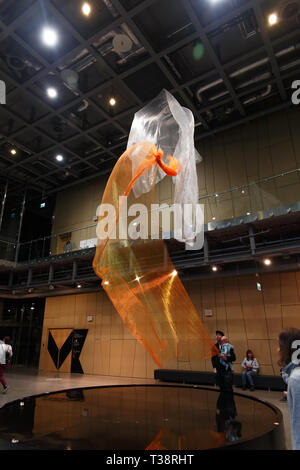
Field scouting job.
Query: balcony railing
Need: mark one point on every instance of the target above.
(238, 203)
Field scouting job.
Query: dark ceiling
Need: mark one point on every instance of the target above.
(220, 58)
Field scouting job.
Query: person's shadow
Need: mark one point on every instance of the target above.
(226, 417)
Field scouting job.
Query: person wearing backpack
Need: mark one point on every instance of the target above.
(224, 366)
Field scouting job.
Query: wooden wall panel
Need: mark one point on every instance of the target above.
(251, 319)
(289, 288)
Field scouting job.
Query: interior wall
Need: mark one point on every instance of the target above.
(253, 151)
(251, 319)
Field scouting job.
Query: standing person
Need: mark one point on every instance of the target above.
(284, 377)
(289, 359)
(215, 358)
(250, 366)
(225, 369)
(5, 356)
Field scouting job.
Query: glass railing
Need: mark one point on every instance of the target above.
(7, 251)
(249, 199)
(58, 244)
(252, 198)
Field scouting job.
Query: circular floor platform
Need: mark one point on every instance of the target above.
(141, 417)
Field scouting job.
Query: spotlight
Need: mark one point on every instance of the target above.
(137, 278)
(52, 93)
(273, 19)
(59, 158)
(13, 151)
(86, 9)
(213, 218)
(214, 268)
(106, 283)
(267, 261)
(79, 286)
(174, 273)
(112, 101)
(49, 37)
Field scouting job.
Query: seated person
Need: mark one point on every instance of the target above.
(250, 368)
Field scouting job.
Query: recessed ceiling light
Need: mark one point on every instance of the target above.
(59, 158)
(49, 36)
(86, 9)
(214, 268)
(267, 261)
(273, 19)
(52, 93)
(13, 151)
(112, 101)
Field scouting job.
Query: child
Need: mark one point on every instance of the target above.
(225, 351)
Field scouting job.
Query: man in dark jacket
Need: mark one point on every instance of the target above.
(224, 376)
(215, 359)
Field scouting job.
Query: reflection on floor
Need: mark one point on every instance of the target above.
(24, 383)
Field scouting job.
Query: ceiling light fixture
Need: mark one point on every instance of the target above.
(13, 151)
(112, 101)
(52, 93)
(267, 261)
(86, 9)
(49, 36)
(214, 268)
(272, 19)
(59, 158)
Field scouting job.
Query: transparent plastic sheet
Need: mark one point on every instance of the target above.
(169, 127)
(139, 276)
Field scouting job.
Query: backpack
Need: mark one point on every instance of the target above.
(232, 354)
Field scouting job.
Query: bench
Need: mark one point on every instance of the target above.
(263, 382)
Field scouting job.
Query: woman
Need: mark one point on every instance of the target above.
(5, 356)
(250, 368)
(289, 359)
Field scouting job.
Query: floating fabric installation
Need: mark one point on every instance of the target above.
(135, 267)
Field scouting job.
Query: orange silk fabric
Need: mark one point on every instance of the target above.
(139, 276)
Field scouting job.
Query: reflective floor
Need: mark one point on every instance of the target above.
(136, 417)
